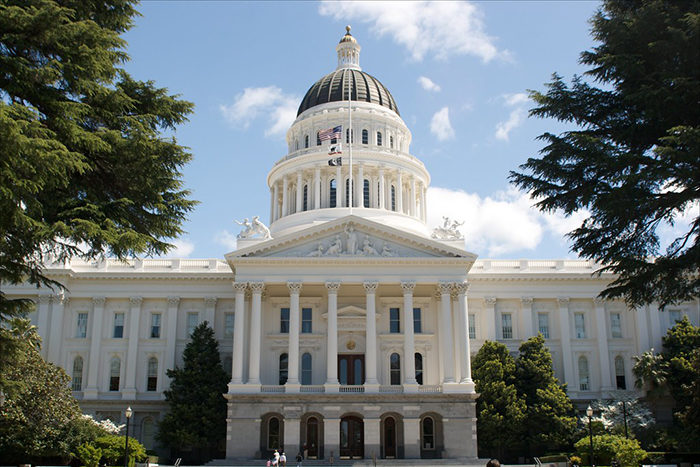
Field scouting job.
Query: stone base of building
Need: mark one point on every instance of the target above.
(352, 426)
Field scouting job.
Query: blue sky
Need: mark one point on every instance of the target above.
(459, 72)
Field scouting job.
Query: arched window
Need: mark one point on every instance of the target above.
(365, 137)
(583, 376)
(306, 141)
(391, 141)
(334, 193)
(365, 193)
(114, 370)
(393, 198)
(152, 381)
(620, 373)
(306, 369)
(273, 433)
(318, 138)
(77, 374)
(395, 369)
(427, 433)
(379, 138)
(419, 368)
(306, 198)
(296, 144)
(284, 365)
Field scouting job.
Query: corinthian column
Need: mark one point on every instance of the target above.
(409, 348)
(332, 344)
(446, 333)
(238, 329)
(255, 333)
(371, 334)
(294, 324)
(462, 289)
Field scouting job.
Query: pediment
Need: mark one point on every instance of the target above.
(351, 311)
(351, 238)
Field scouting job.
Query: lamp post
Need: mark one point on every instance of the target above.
(128, 413)
(589, 413)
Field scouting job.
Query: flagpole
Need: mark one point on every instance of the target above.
(351, 191)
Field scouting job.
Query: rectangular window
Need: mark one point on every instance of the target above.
(674, 316)
(615, 325)
(543, 324)
(507, 325)
(580, 325)
(81, 329)
(192, 322)
(472, 326)
(417, 326)
(155, 325)
(228, 324)
(306, 321)
(284, 320)
(118, 325)
(394, 321)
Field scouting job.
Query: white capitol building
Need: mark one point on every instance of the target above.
(349, 328)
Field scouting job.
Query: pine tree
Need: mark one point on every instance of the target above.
(85, 167)
(632, 159)
(500, 410)
(549, 422)
(195, 426)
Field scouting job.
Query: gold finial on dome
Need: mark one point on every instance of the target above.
(348, 28)
(348, 37)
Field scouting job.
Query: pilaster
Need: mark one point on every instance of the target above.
(294, 326)
(371, 382)
(490, 308)
(332, 336)
(409, 350)
(565, 330)
(527, 322)
(603, 352)
(129, 391)
(91, 390)
(171, 333)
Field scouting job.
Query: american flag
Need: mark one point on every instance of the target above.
(330, 133)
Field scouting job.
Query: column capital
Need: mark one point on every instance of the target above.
(563, 301)
(44, 299)
(599, 302)
(527, 301)
(173, 301)
(257, 287)
(333, 287)
(490, 301)
(294, 287)
(98, 301)
(408, 287)
(461, 287)
(134, 301)
(370, 286)
(210, 301)
(444, 288)
(239, 287)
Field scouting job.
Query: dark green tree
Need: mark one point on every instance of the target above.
(500, 409)
(39, 413)
(195, 426)
(85, 167)
(679, 345)
(550, 420)
(632, 157)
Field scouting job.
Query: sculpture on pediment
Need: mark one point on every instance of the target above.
(352, 239)
(387, 251)
(335, 248)
(317, 252)
(367, 247)
(255, 229)
(449, 230)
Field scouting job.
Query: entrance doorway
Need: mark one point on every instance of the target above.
(390, 438)
(312, 438)
(352, 438)
(351, 369)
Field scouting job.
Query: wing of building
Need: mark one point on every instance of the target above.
(348, 325)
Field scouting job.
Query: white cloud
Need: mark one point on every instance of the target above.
(499, 224)
(516, 118)
(428, 84)
(441, 29)
(227, 239)
(515, 99)
(440, 125)
(183, 248)
(270, 101)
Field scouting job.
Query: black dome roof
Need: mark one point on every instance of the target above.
(334, 88)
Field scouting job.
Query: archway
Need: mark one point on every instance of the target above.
(352, 434)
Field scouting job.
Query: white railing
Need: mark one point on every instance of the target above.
(348, 388)
(272, 389)
(432, 388)
(394, 389)
(308, 388)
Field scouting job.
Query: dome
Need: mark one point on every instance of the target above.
(334, 88)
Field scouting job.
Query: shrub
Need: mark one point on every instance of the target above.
(89, 455)
(113, 449)
(607, 448)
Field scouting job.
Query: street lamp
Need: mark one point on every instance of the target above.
(589, 413)
(128, 413)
